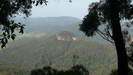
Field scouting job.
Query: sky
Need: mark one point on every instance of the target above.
(56, 8)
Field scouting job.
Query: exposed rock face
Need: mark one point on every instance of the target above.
(67, 36)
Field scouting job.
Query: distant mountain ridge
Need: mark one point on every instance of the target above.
(51, 25)
(54, 25)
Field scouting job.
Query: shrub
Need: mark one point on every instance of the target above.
(75, 70)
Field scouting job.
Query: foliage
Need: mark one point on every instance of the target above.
(8, 10)
(114, 72)
(91, 21)
(75, 70)
(99, 15)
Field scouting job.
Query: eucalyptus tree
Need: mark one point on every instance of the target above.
(109, 13)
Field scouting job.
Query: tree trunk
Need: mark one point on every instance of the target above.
(119, 41)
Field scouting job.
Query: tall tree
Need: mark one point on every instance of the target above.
(110, 13)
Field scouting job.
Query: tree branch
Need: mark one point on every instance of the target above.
(104, 36)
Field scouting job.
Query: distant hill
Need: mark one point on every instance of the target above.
(51, 25)
(31, 53)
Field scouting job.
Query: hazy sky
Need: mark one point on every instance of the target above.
(78, 8)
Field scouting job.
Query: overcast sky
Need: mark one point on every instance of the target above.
(78, 8)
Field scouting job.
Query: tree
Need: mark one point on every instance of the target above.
(110, 13)
(8, 10)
